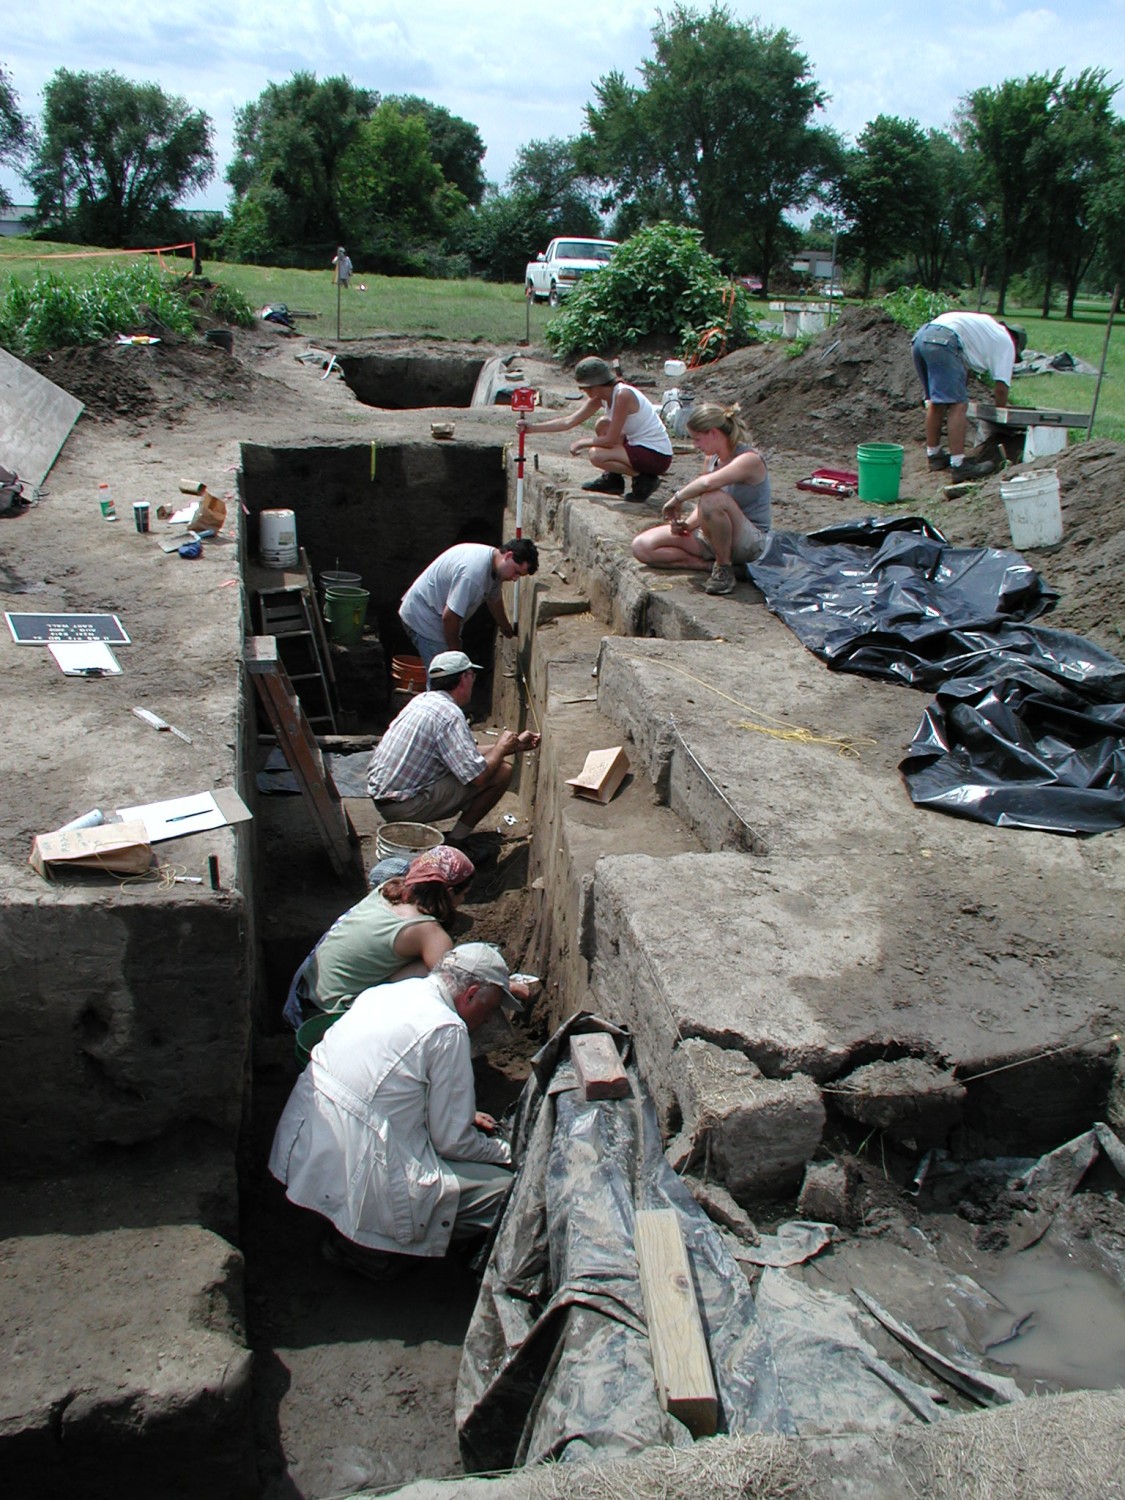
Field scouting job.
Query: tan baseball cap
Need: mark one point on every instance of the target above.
(486, 963)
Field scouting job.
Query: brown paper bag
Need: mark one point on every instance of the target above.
(120, 848)
(209, 515)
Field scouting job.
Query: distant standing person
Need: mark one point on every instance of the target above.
(729, 504)
(628, 439)
(945, 350)
(455, 585)
(342, 274)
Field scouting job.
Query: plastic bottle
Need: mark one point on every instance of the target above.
(105, 501)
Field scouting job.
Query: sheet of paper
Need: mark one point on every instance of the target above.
(176, 817)
(85, 658)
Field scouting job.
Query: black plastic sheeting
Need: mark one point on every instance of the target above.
(1028, 726)
(557, 1364)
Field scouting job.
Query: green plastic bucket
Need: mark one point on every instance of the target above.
(310, 1032)
(880, 469)
(345, 611)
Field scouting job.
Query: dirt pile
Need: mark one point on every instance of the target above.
(173, 380)
(854, 383)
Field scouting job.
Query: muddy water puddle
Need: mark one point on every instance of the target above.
(1068, 1321)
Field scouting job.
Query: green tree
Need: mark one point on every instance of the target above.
(546, 175)
(455, 144)
(15, 133)
(883, 192)
(720, 133)
(288, 146)
(113, 157)
(502, 234)
(391, 193)
(945, 211)
(1083, 139)
(1005, 132)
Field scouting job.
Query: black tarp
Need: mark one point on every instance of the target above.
(1028, 726)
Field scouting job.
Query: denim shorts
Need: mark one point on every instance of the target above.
(940, 365)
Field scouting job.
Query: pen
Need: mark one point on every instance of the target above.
(182, 817)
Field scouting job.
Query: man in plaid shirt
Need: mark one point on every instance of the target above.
(428, 766)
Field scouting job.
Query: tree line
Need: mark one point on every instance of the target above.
(724, 132)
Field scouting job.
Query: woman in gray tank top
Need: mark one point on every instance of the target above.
(720, 518)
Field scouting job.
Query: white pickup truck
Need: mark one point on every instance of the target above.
(557, 272)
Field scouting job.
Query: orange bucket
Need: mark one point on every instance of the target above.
(408, 673)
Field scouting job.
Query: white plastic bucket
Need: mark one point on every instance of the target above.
(406, 839)
(277, 539)
(1034, 513)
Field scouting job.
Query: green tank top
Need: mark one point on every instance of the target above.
(356, 952)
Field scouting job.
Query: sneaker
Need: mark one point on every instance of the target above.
(721, 581)
(606, 484)
(978, 468)
(936, 461)
(643, 486)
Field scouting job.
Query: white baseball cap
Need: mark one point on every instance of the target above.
(486, 963)
(451, 664)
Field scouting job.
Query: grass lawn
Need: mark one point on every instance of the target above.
(498, 314)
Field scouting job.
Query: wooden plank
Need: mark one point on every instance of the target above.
(680, 1359)
(1026, 416)
(598, 1065)
(302, 752)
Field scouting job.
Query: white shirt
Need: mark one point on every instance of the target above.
(460, 579)
(986, 344)
(385, 1102)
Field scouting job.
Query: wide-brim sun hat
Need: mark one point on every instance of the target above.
(593, 371)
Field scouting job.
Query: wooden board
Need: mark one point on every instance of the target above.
(597, 1063)
(302, 752)
(1026, 416)
(680, 1358)
(35, 419)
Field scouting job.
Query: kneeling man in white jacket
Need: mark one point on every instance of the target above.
(381, 1133)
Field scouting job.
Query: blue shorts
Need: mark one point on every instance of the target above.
(426, 647)
(940, 365)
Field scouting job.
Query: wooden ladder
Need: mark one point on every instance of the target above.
(289, 614)
(303, 754)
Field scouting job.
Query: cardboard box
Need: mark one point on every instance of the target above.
(602, 774)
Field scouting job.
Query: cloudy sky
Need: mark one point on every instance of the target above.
(523, 72)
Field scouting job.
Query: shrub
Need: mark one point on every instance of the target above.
(659, 282)
(53, 313)
(911, 306)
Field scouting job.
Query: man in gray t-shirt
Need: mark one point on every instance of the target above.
(455, 585)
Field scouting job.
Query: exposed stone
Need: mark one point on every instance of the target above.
(721, 1208)
(755, 1133)
(912, 1100)
(828, 1194)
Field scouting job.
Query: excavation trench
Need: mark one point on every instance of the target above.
(356, 1388)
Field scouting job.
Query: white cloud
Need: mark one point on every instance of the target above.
(519, 77)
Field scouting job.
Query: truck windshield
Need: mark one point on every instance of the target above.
(586, 250)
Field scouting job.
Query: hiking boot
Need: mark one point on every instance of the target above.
(978, 468)
(721, 581)
(643, 486)
(936, 461)
(606, 484)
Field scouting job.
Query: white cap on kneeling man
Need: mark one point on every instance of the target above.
(451, 664)
(486, 963)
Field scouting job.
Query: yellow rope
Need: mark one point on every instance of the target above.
(764, 723)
